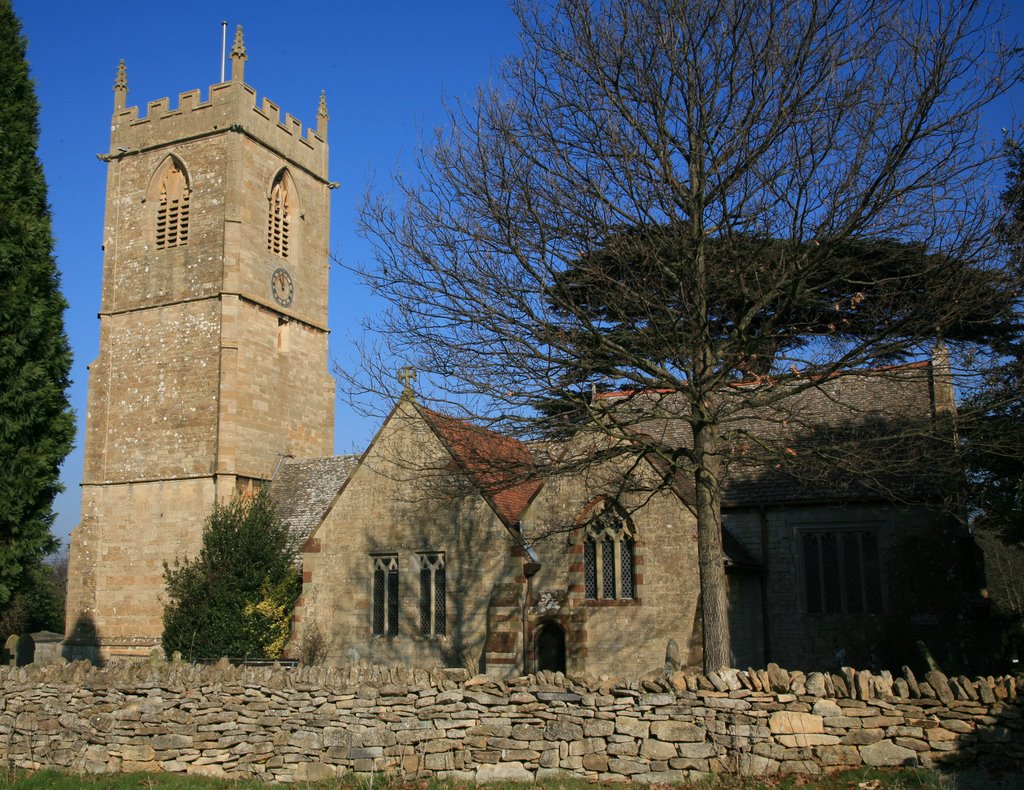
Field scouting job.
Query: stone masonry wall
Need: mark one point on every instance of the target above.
(288, 725)
(401, 502)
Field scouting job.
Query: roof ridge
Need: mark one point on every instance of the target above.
(769, 379)
(488, 456)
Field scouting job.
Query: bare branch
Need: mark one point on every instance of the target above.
(743, 189)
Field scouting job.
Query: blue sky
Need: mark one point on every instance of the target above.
(385, 65)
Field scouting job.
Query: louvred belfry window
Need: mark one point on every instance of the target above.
(172, 211)
(609, 557)
(279, 221)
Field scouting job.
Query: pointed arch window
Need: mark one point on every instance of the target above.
(432, 594)
(385, 595)
(279, 221)
(172, 209)
(609, 556)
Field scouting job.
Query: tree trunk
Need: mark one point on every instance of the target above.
(709, 547)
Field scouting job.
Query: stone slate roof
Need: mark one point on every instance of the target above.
(497, 463)
(304, 488)
(766, 448)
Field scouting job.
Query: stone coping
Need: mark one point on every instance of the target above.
(315, 723)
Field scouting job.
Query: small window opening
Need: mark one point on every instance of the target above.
(551, 648)
(842, 572)
(282, 335)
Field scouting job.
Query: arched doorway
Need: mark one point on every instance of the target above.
(551, 647)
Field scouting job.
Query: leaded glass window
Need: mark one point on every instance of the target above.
(841, 571)
(626, 584)
(590, 567)
(385, 595)
(609, 557)
(608, 568)
(432, 594)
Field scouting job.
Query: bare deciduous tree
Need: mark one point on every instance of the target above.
(736, 155)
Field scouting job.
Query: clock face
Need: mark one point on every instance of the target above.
(282, 288)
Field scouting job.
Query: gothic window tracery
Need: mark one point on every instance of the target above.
(432, 594)
(609, 556)
(279, 220)
(172, 210)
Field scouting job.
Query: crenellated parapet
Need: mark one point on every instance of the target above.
(213, 358)
(230, 106)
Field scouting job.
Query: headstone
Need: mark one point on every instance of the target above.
(10, 650)
(25, 650)
(672, 661)
(927, 657)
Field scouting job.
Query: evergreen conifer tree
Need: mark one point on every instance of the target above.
(36, 421)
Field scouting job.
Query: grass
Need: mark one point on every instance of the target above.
(862, 779)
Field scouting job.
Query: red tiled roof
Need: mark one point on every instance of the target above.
(499, 464)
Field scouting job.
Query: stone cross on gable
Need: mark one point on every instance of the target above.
(407, 376)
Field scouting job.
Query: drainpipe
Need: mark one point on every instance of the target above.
(762, 513)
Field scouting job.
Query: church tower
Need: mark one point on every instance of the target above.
(213, 361)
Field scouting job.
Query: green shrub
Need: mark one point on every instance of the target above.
(236, 598)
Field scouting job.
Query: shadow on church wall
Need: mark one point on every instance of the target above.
(829, 477)
(82, 642)
(468, 579)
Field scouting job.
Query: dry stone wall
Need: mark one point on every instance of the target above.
(289, 725)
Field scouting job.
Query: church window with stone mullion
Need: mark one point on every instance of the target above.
(609, 558)
(841, 570)
(432, 594)
(385, 595)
